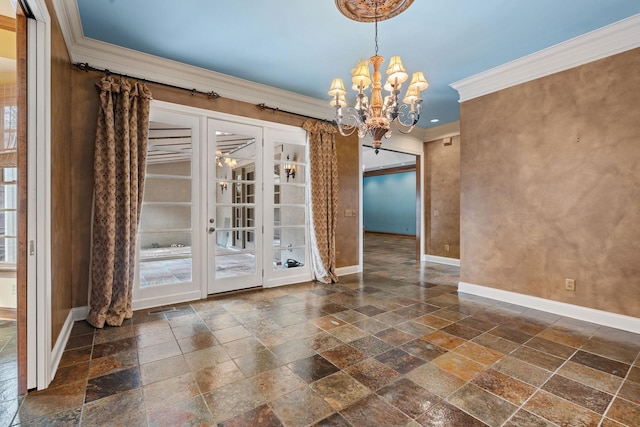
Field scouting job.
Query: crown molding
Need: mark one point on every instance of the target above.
(607, 41)
(127, 61)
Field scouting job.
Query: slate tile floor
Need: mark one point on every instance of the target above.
(9, 400)
(394, 346)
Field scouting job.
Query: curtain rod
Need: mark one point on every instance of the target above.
(84, 66)
(263, 107)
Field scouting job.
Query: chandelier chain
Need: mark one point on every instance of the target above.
(376, 24)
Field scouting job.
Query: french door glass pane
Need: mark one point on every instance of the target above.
(289, 194)
(165, 271)
(165, 220)
(8, 249)
(287, 237)
(236, 185)
(289, 244)
(291, 215)
(234, 263)
(289, 258)
(8, 223)
(290, 209)
(162, 216)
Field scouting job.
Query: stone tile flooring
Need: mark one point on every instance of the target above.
(393, 346)
(8, 371)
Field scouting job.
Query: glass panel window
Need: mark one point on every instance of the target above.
(231, 262)
(236, 208)
(8, 215)
(290, 206)
(165, 221)
(291, 215)
(290, 258)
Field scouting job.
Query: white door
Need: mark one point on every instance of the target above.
(167, 267)
(235, 206)
(286, 208)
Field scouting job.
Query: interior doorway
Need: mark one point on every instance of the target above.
(13, 214)
(391, 196)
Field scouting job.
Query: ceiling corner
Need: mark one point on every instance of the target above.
(615, 38)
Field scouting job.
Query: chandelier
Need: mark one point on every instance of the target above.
(374, 116)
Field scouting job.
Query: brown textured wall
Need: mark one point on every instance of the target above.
(61, 231)
(550, 186)
(347, 228)
(85, 102)
(442, 197)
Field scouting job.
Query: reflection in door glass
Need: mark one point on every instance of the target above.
(235, 205)
(289, 206)
(165, 221)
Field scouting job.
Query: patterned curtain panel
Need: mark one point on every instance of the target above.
(324, 199)
(119, 166)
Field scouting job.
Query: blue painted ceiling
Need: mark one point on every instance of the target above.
(300, 46)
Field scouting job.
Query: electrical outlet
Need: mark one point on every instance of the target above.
(446, 248)
(570, 284)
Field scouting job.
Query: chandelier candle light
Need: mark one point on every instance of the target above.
(374, 116)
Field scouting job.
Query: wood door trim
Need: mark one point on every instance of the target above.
(7, 23)
(22, 187)
(389, 171)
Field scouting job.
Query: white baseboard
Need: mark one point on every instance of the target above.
(80, 313)
(605, 318)
(157, 301)
(289, 280)
(352, 269)
(60, 345)
(441, 260)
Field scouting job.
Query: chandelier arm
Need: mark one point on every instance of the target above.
(412, 116)
(408, 128)
(350, 130)
(352, 124)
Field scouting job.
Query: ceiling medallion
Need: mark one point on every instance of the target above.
(365, 10)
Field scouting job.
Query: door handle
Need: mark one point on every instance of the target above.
(211, 230)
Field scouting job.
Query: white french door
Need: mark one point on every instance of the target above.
(225, 206)
(235, 206)
(286, 208)
(168, 238)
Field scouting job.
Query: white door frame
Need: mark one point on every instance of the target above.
(39, 364)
